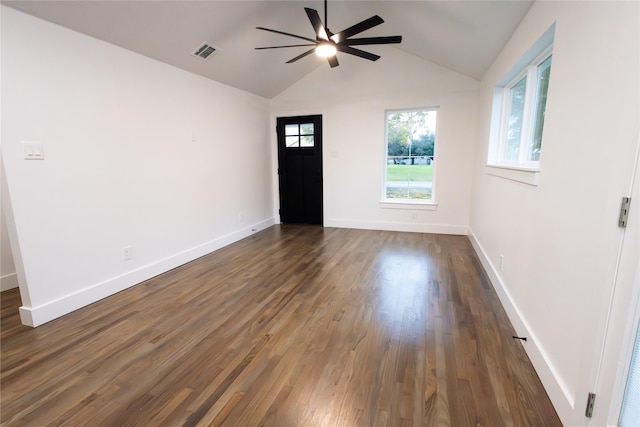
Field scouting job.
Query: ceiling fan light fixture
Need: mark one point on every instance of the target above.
(326, 50)
(326, 44)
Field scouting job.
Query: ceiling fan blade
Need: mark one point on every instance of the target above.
(358, 28)
(333, 61)
(286, 34)
(358, 52)
(310, 51)
(316, 22)
(372, 40)
(278, 47)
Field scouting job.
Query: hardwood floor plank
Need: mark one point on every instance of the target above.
(293, 326)
(9, 315)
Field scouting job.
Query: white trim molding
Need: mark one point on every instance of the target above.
(519, 174)
(561, 397)
(9, 281)
(36, 316)
(412, 227)
(409, 206)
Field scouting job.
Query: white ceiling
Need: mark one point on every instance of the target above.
(464, 36)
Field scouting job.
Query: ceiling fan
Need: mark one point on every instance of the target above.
(327, 43)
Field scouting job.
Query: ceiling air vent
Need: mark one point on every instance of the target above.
(204, 51)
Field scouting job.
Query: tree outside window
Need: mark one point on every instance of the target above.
(411, 136)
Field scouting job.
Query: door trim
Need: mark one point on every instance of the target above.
(622, 315)
(315, 152)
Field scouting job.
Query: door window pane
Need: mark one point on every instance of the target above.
(306, 141)
(514, 128)
(299, 135)
(306, 129)
(291, 130)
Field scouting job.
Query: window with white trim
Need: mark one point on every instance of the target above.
(410, 155)
(525, 101)
(519, 108)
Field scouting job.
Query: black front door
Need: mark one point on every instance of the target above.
(300, 169)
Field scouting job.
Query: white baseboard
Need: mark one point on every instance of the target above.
(36, 316)
(398, 226)
(561, 397)
(9, 281)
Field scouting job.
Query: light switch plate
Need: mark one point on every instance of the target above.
(33, 150)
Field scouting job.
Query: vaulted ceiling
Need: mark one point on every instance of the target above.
(464, 36)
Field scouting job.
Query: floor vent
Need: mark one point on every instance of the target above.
(204, 51)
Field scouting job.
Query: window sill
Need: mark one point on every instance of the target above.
(527, 176)
(409, 205)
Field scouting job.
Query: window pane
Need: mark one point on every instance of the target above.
(306, 129)
(410, 147)
(291, 130)
(544, 70)
(407, 181)
(306, 141)
(514, 128)
(292, 141)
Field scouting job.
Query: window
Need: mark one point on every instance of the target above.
(299, 135)
(409, 159)
(525, 101)
(542, 73)
(518, 114)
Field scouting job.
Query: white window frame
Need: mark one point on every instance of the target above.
(401, 203)
(528, 114)
(523, 169)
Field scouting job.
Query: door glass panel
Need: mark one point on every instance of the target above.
(291, 130)
(292, 141)
(306, 129)
(630, 414)
(306, 141)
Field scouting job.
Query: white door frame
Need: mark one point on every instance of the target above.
(622, 317)
(625, 358)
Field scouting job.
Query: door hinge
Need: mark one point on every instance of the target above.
(624, 212)
(591, 400)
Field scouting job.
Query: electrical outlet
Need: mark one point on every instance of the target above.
(127, 253)
(501, 259)
(240, 217)
(414, 215)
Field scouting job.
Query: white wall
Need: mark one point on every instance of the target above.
(8, 278)
(120, 165)
(352, 99)
(560, 239)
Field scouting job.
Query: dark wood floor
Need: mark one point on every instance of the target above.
(294, 326)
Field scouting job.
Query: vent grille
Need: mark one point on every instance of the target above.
(204, 51)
